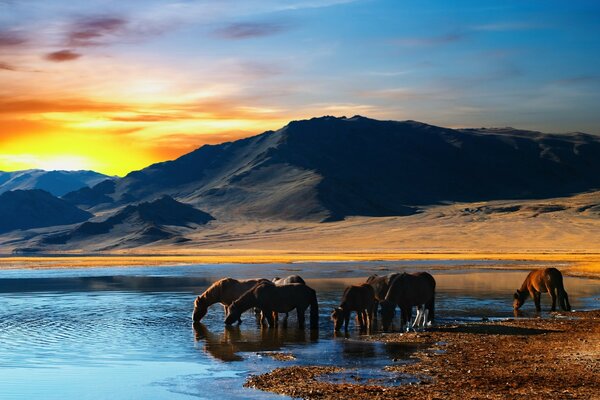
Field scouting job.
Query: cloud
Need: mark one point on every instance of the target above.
(95, 31)
(7, 67)
(11, 39)
(62, 55)
(9, 105)
(431, 41)
(507, 26)
(248, 30)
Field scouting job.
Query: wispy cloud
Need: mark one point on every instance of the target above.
(508, 26)
(249, 30)
(95, 31)
(430, 41)
(7, 67)
(62, 55)
(11, 39)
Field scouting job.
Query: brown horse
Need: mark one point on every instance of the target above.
(286, 281)
(359, 298)
(223, 291)
(380, 284)
(280, 299)
(540, 281)
(406, 291)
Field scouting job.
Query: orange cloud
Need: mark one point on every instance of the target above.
(62, 55)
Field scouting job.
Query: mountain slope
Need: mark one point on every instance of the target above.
(329, 168)
(26, 209)
(138, 224)
(56, 183)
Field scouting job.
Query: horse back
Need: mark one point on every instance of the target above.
(412, 289)
(358, 297)
(544, 280)
(283, 298)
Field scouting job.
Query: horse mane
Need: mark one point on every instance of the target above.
(215, 290)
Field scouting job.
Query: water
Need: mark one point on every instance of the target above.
(126, 333)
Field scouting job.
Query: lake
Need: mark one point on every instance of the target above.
(126, 333)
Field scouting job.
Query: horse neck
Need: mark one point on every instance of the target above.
(247, 301)
(525, 285)
(212, 295)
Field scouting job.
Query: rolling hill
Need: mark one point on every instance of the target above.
(56, 183)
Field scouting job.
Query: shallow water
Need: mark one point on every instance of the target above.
(126, 333)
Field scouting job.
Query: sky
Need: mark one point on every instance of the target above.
(114, 86)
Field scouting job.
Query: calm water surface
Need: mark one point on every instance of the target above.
(125, 333)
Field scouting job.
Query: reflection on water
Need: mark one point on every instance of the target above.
(127, 332)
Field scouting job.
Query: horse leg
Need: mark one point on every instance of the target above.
(536, 300)
(405, 316)
(552, 293)
(359, 318)
(285, 320)
(269, 318)
(346, 320)
(563, 300)
(300, 313)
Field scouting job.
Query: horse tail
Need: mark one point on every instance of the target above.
(431, 303)
(314, 311)
(563, 297)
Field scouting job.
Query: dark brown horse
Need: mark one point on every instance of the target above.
(223, 291)
(280, 299)
(541, 281)
(286, 281)
(380, 284)
(358, 298)
(406, 291)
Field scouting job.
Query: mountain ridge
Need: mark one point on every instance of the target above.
(328, 168)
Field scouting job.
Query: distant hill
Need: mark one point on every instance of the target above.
(138, 224)
(329, 168)
(26, 209)
(56, 183)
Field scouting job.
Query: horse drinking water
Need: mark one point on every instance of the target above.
(224, 291)
(359, 298)
(540, 281)
(280, 299)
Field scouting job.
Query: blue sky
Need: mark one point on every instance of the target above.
(178, 74)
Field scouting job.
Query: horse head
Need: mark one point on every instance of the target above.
(387, 313)
(519, 299)
(233, 314)
(200, 309)
(337, 316)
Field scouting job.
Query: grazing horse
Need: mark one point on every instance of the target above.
(281, 299)
(380, 284)
(286, 281)
(359, 298)
(224, 291)
(406, 291)
(540, 281)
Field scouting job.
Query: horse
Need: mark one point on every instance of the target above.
(406, 291)
(285, 281)
(359, 298)
(290, 279)
(380, 284)
(223, 291)
(540, 281)
(280, 299)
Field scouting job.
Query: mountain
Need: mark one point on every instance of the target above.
(26, 209)
(329, 168)
(138, 224)
(56, 183)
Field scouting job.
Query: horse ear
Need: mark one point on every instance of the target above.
(516, 295)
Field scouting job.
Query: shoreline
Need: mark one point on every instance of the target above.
(579, 264)
(555, 358)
